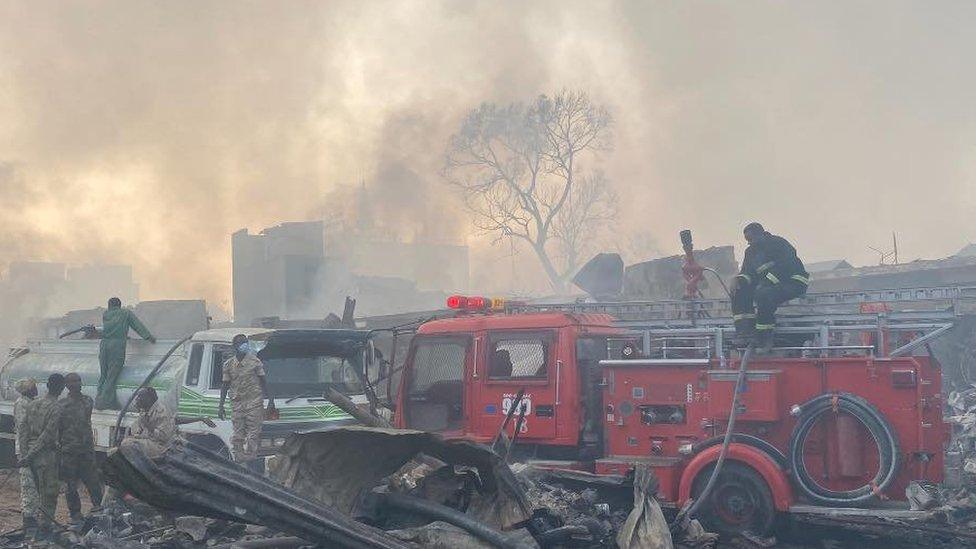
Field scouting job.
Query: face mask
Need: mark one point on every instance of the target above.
(243, 348)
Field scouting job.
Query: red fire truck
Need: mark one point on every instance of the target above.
(845, 411)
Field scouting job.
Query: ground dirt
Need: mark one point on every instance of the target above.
(10, 501)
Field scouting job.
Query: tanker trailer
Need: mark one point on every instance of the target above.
(300, 365)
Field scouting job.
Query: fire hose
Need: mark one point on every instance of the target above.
(700, 500)
(884, 437)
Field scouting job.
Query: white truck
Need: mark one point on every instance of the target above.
(300, 364)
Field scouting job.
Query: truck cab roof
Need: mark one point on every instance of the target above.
(226, 335)
(292, 342)
(222, 335)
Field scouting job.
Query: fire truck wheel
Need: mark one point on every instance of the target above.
(740, 501)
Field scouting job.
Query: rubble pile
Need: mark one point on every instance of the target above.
(961, 454)
(364, 487)
(132, 530)
(189, 479)
(135, 525)
(369, 487)
(953, 504)
(599, 505)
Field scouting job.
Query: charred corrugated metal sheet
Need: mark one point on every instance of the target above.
(338, 466)
(192, 480)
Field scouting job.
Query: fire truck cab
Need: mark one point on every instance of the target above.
(845, 412)
(463, 373)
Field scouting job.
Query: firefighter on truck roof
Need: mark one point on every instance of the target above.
(771, 275)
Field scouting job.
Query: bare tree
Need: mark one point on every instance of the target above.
(519, 170)
(591, 207)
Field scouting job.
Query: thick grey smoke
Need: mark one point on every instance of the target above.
(146, 132)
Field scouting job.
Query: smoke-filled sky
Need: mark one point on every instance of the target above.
(146, 132)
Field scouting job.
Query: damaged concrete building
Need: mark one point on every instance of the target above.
(166, 319)
(31, 291)
(276, 272)
(299, 270)
(661, 278)
(51, 288)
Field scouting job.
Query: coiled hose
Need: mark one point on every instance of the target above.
(882, 433)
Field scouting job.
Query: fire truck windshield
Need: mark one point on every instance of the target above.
(434, 388)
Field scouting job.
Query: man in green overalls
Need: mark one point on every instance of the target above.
(116, 322)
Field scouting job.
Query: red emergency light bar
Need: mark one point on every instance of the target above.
(468, 303)
(477, 303)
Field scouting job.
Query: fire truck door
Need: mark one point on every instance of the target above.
(514, 361)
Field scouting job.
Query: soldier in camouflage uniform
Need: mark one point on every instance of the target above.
(243, 377)
(41, 458)
(156, 422)
(154, 430)
(27, 388)
(78, 447)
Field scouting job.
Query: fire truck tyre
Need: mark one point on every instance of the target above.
(880, 430)
(740, 501)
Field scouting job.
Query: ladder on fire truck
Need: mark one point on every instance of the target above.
(889, 322)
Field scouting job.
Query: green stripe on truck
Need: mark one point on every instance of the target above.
(194, 404)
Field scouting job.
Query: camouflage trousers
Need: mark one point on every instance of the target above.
(80, 468)
(28, 494)
(44, 470)
(247, 432)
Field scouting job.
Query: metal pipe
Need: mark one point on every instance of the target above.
(349, 407)
(688, 332)
(282, 542)
(650, 361)
(559, 368)
(923, 340)
(437, 511)
(828, 348)
(559, 536)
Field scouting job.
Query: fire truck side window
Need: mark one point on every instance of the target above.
(518, 358)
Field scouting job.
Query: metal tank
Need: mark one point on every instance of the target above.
(39, 359)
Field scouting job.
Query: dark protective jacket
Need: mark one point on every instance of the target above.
(773, 260)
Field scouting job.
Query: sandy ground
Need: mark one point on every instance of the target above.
(10, 502)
